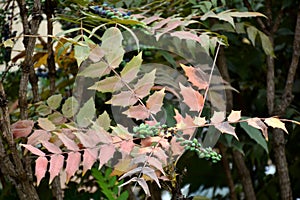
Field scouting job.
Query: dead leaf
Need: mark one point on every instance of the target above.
(234, 116)
(275, 123)
(197, 77)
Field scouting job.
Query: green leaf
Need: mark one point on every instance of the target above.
(252, 33)
(109, 84)
(124, 195)
(132, 68)
(86, 113)
(46, 124)
(81, 53)
(95, 70)
(112, 46)
(256, 135)
(103, 121)
(266, 44)
(54, 101)
(43, 110)
(70, 107)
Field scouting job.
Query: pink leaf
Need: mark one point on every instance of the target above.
(157, 164)
(56, 164)
(225, 127)
(197, 77)
(138, 112)
(106, 153)
(73, 162)
(161, 23)
(89, 158)
(186, 35)
(33, 150)
(257, 123)
(177, 149)
(92, 138)
(217, 117)
(37, 136)
(70, 144)
(124, 98)
(170, 26)
(151, 19)
(40, 168)
(22, 128)
(192, 98)
(144, 85)
(155, 101)
(234, 116)
(126, 146)
(185, 124)
(144, 185)
(46, 124)
(51, 147)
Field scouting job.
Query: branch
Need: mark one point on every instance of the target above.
(287, 96)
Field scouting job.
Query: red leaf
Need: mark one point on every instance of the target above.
(33, 150)
(138, 112)
(37, 136)
(126, 146)
(51, 147)
(155, 101)
(106, 153)
(73, 162)
(196, 76)
(186, 35)
(70, 144)
(89, 158)
(192, 98)
(40, 168)
(56, 164)
(22, 128)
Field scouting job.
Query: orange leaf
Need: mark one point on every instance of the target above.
(193, 99)
(196, 76)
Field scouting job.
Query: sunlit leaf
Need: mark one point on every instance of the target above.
(109, 84)
(199, 121)
(33, 150)
(8, 43)
(132, 68)
(86, 113)
(252, 33)
(51, 147)
(46, 124)
(225, 127)
(143, 86)
(106, 153)
(258, 124)
(234, 116)
(217, 117)
(54, 101)
(40, 168)
(37, 136)
(112, 46)
(81, 53)
(155, 101)
(56, 164)
(196, 76)
(138, 112)
(275, 123)
(70, 144)
(70, 107)
(22, 128)
(89, 158)
(192, 98)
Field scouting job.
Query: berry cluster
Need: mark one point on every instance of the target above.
(194, 145)
(110, 12)
(145, 130)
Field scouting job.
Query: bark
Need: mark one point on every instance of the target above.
(244, 175)
(50, 59)
(29, 28)
(11, 161)
(226, 167)
(238, 157)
